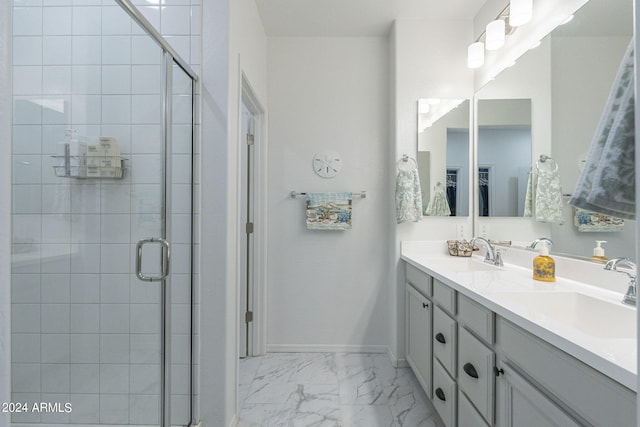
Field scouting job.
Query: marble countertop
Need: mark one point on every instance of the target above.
(614, 354)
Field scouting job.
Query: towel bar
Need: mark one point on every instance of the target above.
(361, 194)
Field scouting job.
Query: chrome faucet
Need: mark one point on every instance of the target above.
(493, 255)
(541, 239)
(612, 265)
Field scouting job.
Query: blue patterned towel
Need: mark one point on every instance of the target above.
(329, 211)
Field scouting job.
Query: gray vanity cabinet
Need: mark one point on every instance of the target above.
(419, 326)
(480, 369)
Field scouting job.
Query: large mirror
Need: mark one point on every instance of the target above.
(568, 79)
(444, 156)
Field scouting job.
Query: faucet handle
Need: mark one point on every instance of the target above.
(498, 260)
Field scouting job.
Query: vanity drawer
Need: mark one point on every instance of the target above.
(445, 340)
(420, 280)
(444, 296)
(476, 318)
(467, 414)
(444, 395)
(475, 372)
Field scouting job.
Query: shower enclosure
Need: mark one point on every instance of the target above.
(102, 214)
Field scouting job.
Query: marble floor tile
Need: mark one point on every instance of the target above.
(332, 390)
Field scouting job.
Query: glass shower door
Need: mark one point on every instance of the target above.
(88, 335)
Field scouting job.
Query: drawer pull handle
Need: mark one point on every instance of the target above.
(440, 338)
(498, 371)
(425, 305)
(470, 370)
(440, 394)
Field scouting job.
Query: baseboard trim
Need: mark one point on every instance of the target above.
(397, 363)
(325, 348)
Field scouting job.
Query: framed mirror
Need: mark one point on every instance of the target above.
(444, 156)
(567, 78)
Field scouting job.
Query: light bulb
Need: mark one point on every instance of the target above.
(520, 12)
(495, 34)
(475, 55)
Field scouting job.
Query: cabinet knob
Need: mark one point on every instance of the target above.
(498, 371)
(440, 394)
(440, 338)
(470, 370)
(425, 305)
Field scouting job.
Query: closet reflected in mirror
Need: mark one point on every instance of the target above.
(504, 156)
(444, 156)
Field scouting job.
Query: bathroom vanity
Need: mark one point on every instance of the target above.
(492, 347)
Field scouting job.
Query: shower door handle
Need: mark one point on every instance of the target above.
(166, 258)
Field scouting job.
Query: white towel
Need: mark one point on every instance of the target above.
(607, 182)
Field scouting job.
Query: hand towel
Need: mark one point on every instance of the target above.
(548, 197)
(528, 198)
(408, 196)
(329, 211)
(607, 182)
(438, 205)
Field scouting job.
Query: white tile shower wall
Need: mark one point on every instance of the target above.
(84, 331)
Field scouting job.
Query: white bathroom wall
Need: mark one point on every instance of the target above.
(328, 290)
(428, 61)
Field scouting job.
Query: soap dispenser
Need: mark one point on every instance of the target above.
(544, 267)
(598, 251)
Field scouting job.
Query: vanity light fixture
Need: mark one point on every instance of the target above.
(475, 55)
(495, 34)
(520, 12)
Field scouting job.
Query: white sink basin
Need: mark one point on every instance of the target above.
(593, 316)
(460, 264)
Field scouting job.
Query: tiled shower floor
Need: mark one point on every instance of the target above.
(331, 389)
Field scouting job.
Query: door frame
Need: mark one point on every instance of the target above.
(257, 298)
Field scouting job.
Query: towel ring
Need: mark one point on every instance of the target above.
(403, 163)
(543, 159)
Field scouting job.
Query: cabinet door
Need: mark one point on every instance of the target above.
(419, 326)
(522, 404)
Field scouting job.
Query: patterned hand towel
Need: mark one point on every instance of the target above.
(329, 211)
(607, 182)
(408, 196)
(548, 197)
(438, 205)
(528, 198)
